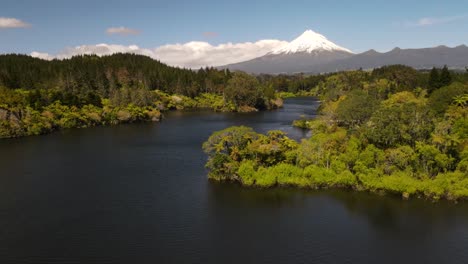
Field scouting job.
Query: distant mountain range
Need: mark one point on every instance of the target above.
(314, 53)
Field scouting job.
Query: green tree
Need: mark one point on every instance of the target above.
(441, 99)
(356, 108)
(402, 119)
(445, 77)
(322, 148)
(434, 80)
(403, 77)
(273, 148)
(243, 90)
(431, 160)
(225, 150)
(400, 158)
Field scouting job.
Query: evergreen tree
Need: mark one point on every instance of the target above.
(445, 77)
(434, 80)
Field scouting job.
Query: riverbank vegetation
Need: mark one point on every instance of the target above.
(393, 130)
(39, 96)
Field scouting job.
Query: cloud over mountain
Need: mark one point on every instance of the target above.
(194, 54)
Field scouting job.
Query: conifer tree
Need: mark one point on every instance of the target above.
(445, 77)
(434, 80)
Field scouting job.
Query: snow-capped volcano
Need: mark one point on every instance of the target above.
(302, 54)
(309, 42)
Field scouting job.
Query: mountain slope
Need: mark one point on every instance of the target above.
(308, 50)
(417, 58)
(287, 63)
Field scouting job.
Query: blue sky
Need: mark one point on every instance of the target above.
(358, 25)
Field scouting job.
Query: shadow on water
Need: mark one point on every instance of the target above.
(387, 213)
(341, 226)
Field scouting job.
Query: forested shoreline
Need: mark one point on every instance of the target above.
(39, 96)
(392, 130)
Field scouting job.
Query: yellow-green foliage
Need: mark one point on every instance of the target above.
(322, 177)
(264, 179)
(58, 116)
(212, 101)
(287, 174)
(336, 161)
(318, 176)
(285, 95)
(247, 172)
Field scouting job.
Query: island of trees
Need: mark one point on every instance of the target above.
(392, 130)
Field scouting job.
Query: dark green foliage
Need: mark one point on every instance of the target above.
(403, 119)
(138, 96)
(292, 83)
(356, 108)
(442, 98)
(339, 84)
(445, 77)
(439, 78)
(434, 80)
(404, 78)
(85, 74)
(243, 90)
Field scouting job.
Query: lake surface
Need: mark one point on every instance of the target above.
(139, 194)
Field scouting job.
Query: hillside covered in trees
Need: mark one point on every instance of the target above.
(394, 130)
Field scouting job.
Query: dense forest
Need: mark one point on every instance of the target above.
(393, 129)
(39, 96)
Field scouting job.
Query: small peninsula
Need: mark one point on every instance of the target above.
(393, 130)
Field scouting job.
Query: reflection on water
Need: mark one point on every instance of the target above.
(387, 213)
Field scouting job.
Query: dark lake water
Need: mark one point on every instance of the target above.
(139, 194)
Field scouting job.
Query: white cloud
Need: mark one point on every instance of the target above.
(41, 55)
(100, 50)
(122, 31)
(8, 22)
(429, 21)
(199, 54)
(193, 54)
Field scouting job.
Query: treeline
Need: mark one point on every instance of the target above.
(389, 130)
(401, 76)
(82, 75)
(39, 96)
